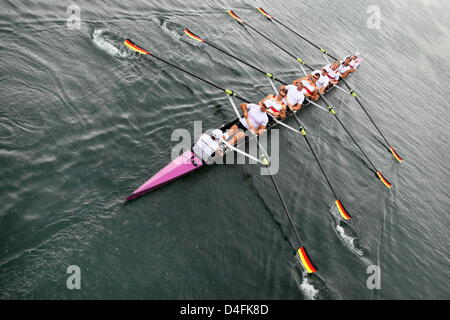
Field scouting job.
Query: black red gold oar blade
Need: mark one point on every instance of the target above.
(395, 154)
(306, 261)
(193, 35)
(235, 16)
(342, 210)
(264, 13)
(130, 44)
(384, 180)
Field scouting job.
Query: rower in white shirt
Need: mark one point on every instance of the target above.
(255, 119)
(295, 96)
(356, 60)
(333, 72)
(309, 86)
(276, 105)
(323, 82)
(345, 68)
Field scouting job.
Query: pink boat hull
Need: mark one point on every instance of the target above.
(184, 164)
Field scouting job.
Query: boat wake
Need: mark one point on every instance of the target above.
(170, 28)
(346, 233)
(107, 41)
(306, 283)
(307, 287)
(312, 286)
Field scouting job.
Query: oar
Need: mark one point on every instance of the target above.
(352, 92)
(306, 262)
(331, 109)
(304, 258)
(302, 130)
(388, 145)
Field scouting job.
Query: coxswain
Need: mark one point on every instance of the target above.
(208, 145)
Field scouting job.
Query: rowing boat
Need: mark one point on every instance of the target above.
(189, 162)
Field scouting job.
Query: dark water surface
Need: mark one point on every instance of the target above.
(83, 123)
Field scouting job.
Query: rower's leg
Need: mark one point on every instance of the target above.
(238, 136)
(231, 132)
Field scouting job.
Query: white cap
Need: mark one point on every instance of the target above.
(217, 133)
(357, 54)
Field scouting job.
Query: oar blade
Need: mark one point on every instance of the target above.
(395, 154)
(193, 35)
(384, 180)
(235, 16)
(264, 13)
(342, 210)
(306, 261)
(130, 44)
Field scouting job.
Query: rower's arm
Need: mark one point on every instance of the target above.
(261, 130)
(297, 107)
(295, 82)
(264, 100)
(244, 109)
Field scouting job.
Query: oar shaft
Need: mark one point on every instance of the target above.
(308, 41)
(366, 112)
(286, 210)
(234, 57)
(321, 168)
(270, 40)
(188, 72)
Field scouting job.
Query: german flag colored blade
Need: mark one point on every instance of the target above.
(192, 35)
(395, 154)
(264, 13)
(384, 180)
(130, 44)
(235, 16)
(342, 210)
(306, 262)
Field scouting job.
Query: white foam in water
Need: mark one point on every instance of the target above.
(348, 241)
(167, 27)
(308, 289)
(102, 38)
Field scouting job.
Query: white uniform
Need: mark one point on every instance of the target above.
(205, 147)
(308, 88)
(323, 81)
(294, 95)
(355, 63)
(256, 117)
(275, 106)
(343, 69)
(332, 75)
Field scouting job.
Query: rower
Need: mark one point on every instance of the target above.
(333, 72)
(276, 105)
(255, 119)
(356, 60)
(323, 81)
(208, 145)
(295, 96)
(345, 68)
(309, 86)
